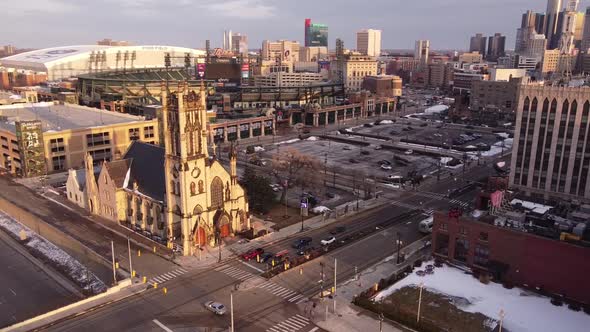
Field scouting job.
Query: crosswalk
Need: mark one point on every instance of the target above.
(234, 272)
(440, 197)
(168, 276)
(283, 292)
(293, 323)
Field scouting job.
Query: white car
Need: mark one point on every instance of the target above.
(215, 307)
(378, 147)
(409, 152)
(328, 241)
(386, 167)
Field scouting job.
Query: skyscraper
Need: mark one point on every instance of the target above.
(227, 43)
(316, 34)
(369, 42)
(478, 44)
(239, 43)
(586, 34)
(496, 47)
(567, 25)
(421, 51)
(551, 20)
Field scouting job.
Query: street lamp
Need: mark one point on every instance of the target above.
(399, 243)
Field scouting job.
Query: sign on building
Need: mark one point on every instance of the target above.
(29, 135)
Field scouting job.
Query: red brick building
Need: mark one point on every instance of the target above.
(513, 256)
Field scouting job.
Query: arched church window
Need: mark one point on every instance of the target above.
(216, 193)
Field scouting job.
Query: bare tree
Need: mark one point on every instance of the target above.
(291, 167)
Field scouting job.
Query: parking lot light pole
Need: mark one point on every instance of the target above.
(130, 263)
(231, 309)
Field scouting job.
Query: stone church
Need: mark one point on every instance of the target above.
(178, 193)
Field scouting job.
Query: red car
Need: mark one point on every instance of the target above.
(252, 254)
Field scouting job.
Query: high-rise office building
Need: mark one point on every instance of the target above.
(566, 27)
(478, 44)
(586, 34)
(280, 51)
(369, 42)
(316, 34)
(551, 150)
(535, 20)
(227, 40)
(496, 47)
(551, 21)
(421, 50)
(239, 43)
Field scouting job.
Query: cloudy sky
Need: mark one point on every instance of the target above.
(447, 23)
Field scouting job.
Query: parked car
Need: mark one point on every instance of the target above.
(384, 162)
(266, 256)
(346, 147)
(386, 167)
(378, 147)
(328, 241)
(365, 153)
(330, 195)
(409, 152)
(215, 307)
(302, 242)
(424, 124)
(368, 125)
(352, 161)
(252, 254)
(305, 250)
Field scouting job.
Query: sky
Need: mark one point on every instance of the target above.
(448, 24)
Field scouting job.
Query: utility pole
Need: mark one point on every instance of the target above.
(334, 295)
(219, 244)
(231, 309)
(322, 280)
(114, 268)
(130, 263)
(381, 322)
(399, 246)
(419, 302)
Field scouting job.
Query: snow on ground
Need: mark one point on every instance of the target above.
(386, 122)
(503, 135)
(59, 258)
(320, 209)
(288, 142)
(312, 138)
(259, 148)
(524, 311)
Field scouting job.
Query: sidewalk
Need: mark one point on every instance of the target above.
(352, 318)
(210, 256)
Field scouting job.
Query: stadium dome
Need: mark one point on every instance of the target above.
(68, 61)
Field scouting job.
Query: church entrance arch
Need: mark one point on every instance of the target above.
(200, 237)
(224, 228)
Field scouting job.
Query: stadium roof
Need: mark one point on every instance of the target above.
(77, 59)
(56, 117)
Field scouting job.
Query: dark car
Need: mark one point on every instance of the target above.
(424, 124)
(266, 256)
(469, 127)
(365, 153)
(252, 254)
(368, 125)
(302, 242)
(384, 162)
(330, 195)
(337, 230)
(352, 161)
(305, 250)
(393, 133)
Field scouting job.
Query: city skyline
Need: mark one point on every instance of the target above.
(447, 26)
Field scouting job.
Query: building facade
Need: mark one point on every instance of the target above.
(551, 22)
(383, 85)
(356, 68)
(239, 44)
(280, 51)
(494, 96)
(472, 57)
(496, 47)
(512, 256)
(65, 135)
(368, 42)
(288, 79)
(551, 150)
(477, 44)
(422, 51)
(586, 34)
(316, 34)
(313, 53)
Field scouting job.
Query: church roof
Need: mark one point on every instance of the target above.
(147, 169)
(118, 170)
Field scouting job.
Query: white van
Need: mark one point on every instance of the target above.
(425, 225)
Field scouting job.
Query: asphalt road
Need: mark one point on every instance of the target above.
(23, 283)
(263, 305)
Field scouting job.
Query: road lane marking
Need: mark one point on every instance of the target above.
(13, 293)
(182, 270)
(301, 317)
(293, 299)
(314, 329)
(252, 266)
(162, 325)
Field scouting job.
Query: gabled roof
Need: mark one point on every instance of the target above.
(147, 169)
(118, 170)
(81, 176)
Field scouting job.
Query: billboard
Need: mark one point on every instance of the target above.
(324, 65)
(223, 72)
(201, 70)
(245, 70)
(29, 135)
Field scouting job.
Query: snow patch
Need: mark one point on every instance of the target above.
(312, 138)
(534, 207)
(75, 271)
(288, 141)
(525, 311)
(259, 148)
(386, 122)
